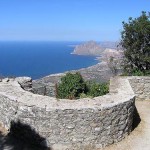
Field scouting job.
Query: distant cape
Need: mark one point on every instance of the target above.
(89, 48)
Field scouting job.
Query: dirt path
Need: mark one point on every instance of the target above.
(139, 139)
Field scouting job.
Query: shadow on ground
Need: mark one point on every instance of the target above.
(22, 137)
(136, 119)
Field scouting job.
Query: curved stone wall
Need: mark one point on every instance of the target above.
(71, 124)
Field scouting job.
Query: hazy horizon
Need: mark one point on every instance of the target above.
(54, 40)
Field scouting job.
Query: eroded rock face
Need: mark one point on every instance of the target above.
(25, 83)
(47, 89)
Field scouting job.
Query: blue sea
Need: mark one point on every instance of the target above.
(38, 59)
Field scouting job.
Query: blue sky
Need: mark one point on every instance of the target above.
(66, 20)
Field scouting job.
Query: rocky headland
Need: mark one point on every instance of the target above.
(88, 48)
(93, 48)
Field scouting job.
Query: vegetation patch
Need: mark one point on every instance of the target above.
(73, 86)
(136, 44)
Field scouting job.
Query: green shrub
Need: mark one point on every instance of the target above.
(97, 89)
(147, 73)
(71, 86)
(136, 72)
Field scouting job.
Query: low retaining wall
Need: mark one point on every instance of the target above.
(141, 87)
(71, 124)
(46, 89)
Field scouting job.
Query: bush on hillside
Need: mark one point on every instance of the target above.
(73, 86)
(97, 89)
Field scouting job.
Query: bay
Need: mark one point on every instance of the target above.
(38, 59)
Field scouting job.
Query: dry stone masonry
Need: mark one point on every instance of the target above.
(47, 89)
(141, 87)
(72, 124)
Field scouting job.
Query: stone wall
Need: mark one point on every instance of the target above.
(71, 124)
(141, 87)
(47, 89)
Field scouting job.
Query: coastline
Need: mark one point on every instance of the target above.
(97, 58)
(99, 72)
(88, 73)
